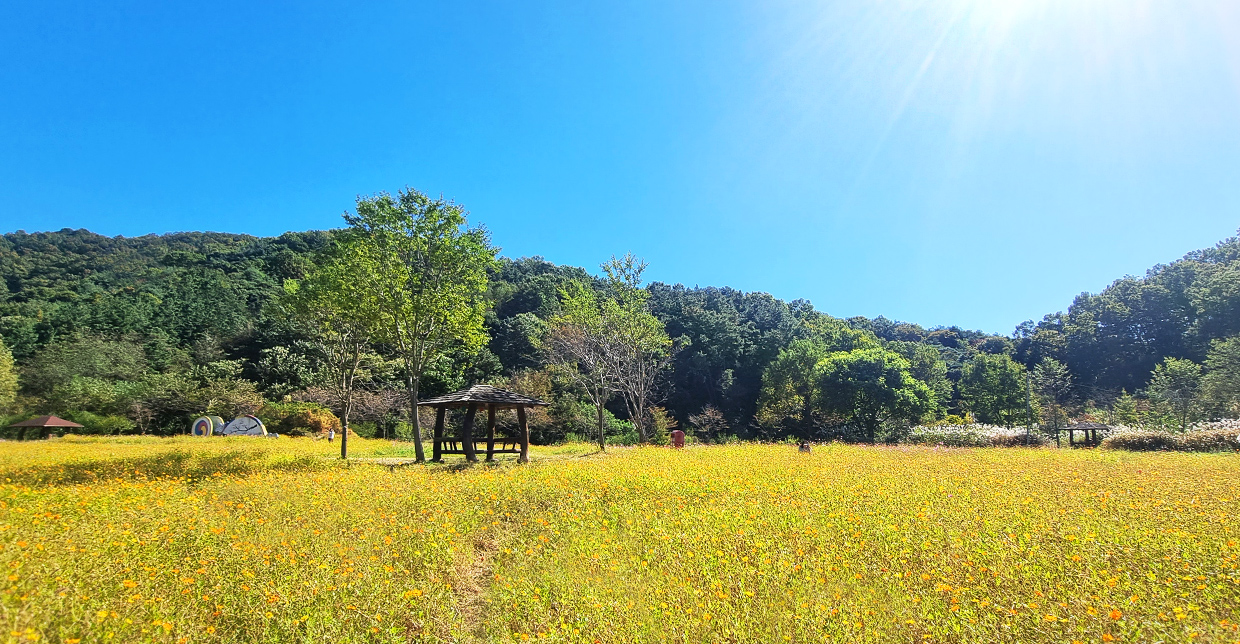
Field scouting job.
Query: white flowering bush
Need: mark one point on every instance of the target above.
(1213, 436)
(1228, 424)
(974, 435)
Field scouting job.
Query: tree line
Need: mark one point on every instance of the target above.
(407, 300)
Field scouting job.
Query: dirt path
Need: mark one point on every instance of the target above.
(472, 578)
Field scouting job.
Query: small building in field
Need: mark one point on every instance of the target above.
(1089, 434)
(471, 399)
(43, 423)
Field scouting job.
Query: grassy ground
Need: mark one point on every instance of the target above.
(255, 540)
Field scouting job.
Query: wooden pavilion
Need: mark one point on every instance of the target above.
(43, 422)
(494, 399)
(1089, 430)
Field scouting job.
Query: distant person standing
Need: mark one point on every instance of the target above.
(678, 438)
(331, 433)
(804, 447)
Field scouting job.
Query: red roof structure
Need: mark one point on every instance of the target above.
(46, 421)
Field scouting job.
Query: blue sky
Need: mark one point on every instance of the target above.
(971, 162)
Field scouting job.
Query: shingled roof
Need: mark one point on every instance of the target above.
(45, 421)
(483, 395)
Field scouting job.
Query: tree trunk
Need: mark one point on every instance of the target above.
(640, 421)
(807, 417)
(602, 437)
(633, 405)
(344, 433)
(347, 387)
(344, 428)
(418, 455)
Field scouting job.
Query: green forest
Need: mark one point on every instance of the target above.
(141, 335)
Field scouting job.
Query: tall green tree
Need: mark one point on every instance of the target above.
(87, 356)
(725, 339)
(341, 317)
(993, 387)
(1221, 383)
(791, 383)
(1176, 382)
(427, 272)
(927, 365)
(1052, 383)
(8, 379)
(642, 350)
(868, 387)
(580, 343)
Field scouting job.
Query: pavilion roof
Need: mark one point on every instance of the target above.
(483, 395)
(46, 421)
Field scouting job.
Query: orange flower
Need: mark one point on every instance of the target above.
(1115, 613)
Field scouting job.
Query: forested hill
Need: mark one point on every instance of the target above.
(1112, 341)
(77, 307)
(181, 288)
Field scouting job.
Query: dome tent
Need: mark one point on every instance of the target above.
(245, 426)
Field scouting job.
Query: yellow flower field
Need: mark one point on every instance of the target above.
(252, 540)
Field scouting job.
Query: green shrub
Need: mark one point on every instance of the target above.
(97, 424)
(621, 432)
(402, 430)
(953, 419)
(365, 428)
(949, 436)
(298, 418)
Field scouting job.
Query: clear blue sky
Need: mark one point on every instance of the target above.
(972, 162)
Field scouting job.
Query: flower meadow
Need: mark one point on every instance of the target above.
(736, 543)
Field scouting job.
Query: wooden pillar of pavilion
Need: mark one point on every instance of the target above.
(437, 448)
(490, 433)
(524, 435)
(467, 433)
